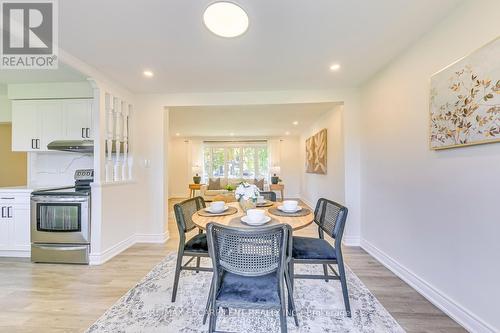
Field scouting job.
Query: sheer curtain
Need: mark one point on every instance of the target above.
(196, 156)
(274, 148)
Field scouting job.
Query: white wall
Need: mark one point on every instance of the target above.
(290, 166)
(433, 216)
(331, 185)
(179, 168)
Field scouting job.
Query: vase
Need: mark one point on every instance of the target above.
(275, 180)
(196, 179)
(247, 204)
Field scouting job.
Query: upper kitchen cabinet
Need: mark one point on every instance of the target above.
(77, 119)
(36, 123)
(51, 113)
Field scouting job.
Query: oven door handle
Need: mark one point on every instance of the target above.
(55, 199)
(62, 248)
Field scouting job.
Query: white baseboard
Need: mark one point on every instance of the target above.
(15, 253)
(351, 240)
(101, 258)
(456, 311)
(151, 238)
(307, 202)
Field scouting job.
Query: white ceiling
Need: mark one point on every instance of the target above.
(245, 120)
(290, 44)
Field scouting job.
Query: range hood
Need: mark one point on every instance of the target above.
(75, 146)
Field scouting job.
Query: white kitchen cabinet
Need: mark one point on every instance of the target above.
(26, 126)
(77, 119)
(15, 224)
(36, 123)
(51, 113)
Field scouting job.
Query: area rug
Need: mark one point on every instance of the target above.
(146, 308)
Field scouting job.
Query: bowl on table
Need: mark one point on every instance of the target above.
(290, 205)
(217, 207)
(256, 217)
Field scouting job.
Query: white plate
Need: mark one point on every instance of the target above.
(263, 221)
(289, 211)
(211, 212)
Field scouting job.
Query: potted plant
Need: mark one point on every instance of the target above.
(247, 195)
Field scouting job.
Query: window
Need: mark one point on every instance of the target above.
(236, 160)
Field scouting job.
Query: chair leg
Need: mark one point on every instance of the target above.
(283, 310)
(177, 274)
(343, 282)
(209, 300)
(211, 323)
(290, 273)
(198, 263)
(290, 299)
(325, 271)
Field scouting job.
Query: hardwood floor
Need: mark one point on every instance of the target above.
(69, 298)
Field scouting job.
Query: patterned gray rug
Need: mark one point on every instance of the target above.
(147, 307)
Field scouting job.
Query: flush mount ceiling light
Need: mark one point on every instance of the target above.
(295, 123)
(335, 67)
(148, 73)
(225, 19)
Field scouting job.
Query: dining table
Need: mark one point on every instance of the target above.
(234, 220)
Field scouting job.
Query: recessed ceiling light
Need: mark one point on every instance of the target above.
(225, 19)
(335, 67)
(232, 134)
(287, 133)
(295, 123)
(148, 73)
(177, 134)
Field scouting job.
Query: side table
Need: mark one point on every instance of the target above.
(278, 187)
(193, 188)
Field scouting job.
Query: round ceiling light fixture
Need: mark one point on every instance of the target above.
(225, 19)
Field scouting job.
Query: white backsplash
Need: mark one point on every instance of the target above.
(54, 169)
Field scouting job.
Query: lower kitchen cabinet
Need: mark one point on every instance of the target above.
(14, 224)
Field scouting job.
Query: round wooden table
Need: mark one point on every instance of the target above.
(296, 222)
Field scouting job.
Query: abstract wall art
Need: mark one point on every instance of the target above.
(316, 153)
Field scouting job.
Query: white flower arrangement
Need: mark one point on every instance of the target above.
(247, 191)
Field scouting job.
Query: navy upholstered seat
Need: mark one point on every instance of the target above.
(312, 248)
(197, 244)
(249, 289)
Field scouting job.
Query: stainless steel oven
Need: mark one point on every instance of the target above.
(60, 222)
(60, 219)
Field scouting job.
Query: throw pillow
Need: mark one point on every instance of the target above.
(259, 183)
(214, 184)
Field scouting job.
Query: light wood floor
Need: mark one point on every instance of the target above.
(69, 298)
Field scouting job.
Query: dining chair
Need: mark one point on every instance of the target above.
(269, 195)
(330, 218)
(196, 247)
(250, 270)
